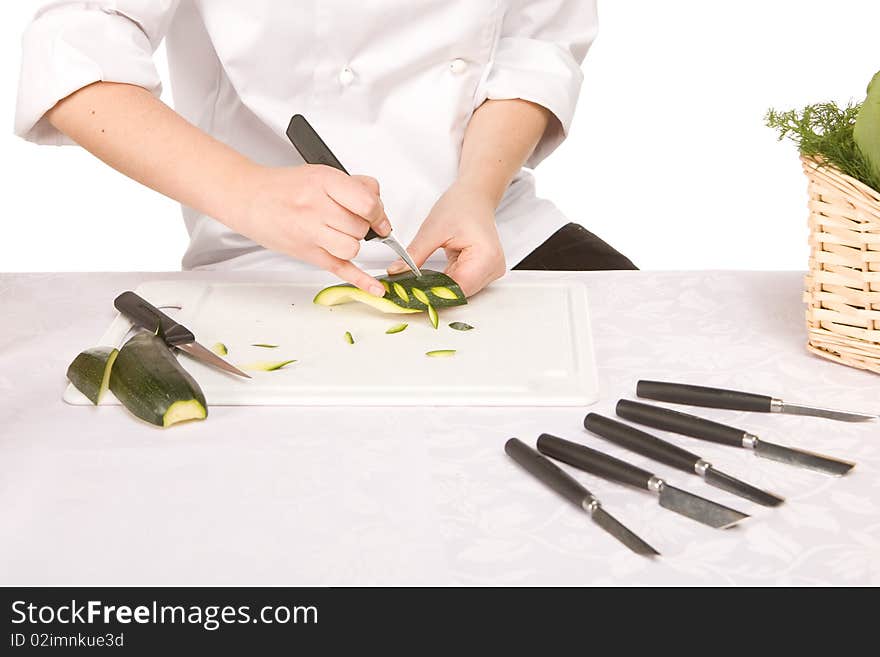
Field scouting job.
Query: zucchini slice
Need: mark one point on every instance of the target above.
(348, 338)
(461, 326)
(265, 346)
(220, 349)
(150, 383)
(90, 371)
(267, 365)
(440, 353)
(404, 293)
(432, 315)
(397, 328)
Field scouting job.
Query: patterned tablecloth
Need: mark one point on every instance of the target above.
(426, 495)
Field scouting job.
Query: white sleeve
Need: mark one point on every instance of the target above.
(70, 45)
(538, 58)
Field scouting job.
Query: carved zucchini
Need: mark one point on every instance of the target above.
(404, 293)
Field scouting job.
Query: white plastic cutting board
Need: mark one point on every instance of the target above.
(532, 346)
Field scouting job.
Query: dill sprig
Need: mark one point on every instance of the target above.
(824, 131)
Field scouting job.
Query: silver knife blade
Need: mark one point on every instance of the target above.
(611, 525)
(802, 458)
(715, 477)
(198, 352)
(699, 508)
(815, 411)
(397, 247)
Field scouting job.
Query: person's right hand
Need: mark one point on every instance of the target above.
(316, 214)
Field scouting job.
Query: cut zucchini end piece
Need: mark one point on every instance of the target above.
(331, 296)
(220, 349)
(432, 315)
(348, 338)
(90, 372)
(183, 411)
(397, 328)
(266, 365)
(440, 353)
(461, 326)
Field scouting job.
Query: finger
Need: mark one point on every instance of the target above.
(472, 273)
(348, 272)
(420, 249)
(355, 197)
(348, 223)
(338, 244)
(369, 182)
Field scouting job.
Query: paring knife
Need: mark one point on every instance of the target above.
(697, 427)
(682, 393)
(147, 316)
(314, 151)
(660, 450)
(564, 484)
(606, 466)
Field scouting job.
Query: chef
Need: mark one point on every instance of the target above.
(443, 105)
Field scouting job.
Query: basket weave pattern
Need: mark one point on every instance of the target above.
(843, 284)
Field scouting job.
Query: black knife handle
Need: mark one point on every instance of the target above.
(590, 460)
(677, 422)
(641, 442)
(682, 393)
(147, 316)
(547, 471)
(313, 150)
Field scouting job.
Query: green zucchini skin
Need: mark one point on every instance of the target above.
(89, 371)
(399, 296)
(148, 380)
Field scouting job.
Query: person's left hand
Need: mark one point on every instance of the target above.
(462, 223)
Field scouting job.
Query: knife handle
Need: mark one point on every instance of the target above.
(592, 461)
(147, 316)
(641, 442)
(547, 471)
(682, 423)
(682, 393)
(313, 150)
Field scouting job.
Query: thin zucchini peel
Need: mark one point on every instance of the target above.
(461, 326)
(397, 328)
(267, 365)
(440, 353)
(265, 346)
(220, 349)
(432, 315)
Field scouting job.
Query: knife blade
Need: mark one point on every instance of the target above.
(682, 393)
(564, 484)
(144, 314)
(654, 448)
(697, 427)
(675, 499)
(313, 150)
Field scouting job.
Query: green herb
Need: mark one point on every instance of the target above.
(824, 131)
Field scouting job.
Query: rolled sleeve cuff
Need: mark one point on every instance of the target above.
(66, 50)
(541, 72)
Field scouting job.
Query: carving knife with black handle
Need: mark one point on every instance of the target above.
(147, 316)
(697, 427)
(654, 448)
(564, 484)
(690, 395)
(672, 498)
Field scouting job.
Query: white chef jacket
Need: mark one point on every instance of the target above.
(389, 84)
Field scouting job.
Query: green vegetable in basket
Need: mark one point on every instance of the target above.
(866, 131)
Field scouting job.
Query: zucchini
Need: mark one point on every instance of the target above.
(90, 371)
(432, 315)
(404, 293)
(348, 338)
(397, 328)
(265, 346)
(220, 349)
(267, 365)
(440, 353)
(150, 383)
(461, 326)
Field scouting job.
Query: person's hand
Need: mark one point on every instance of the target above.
(462, 222)
(316, 214)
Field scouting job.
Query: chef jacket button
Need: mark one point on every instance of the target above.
(457, 66)
(346, 76)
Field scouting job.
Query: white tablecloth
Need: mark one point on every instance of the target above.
(332, 496)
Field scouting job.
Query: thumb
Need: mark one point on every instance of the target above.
(420, 249)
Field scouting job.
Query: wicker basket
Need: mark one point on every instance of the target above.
(843, 285)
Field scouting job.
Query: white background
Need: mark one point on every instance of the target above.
(668, 158)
